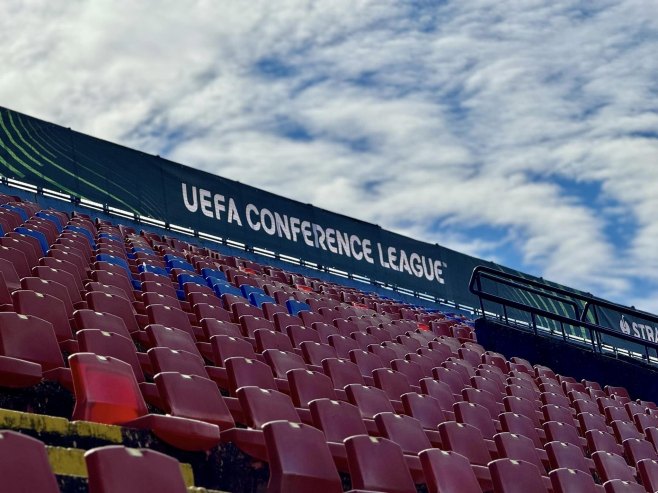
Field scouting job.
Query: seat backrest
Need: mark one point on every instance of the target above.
(45, 307)
(106, 390)
(299, 459)
(111, 344)
(170, 316)
(337, 419)
(516, 476)
(306, 386)
(261, 406)
(24, 464)
(90, 319)
(281, 362)
(476, 415)
(159, 335)
(342, 372)
(378, 464)
(518, 447)
(248, 372)
(118, 468)
(612, 466)
(466, 440)
(565, 480)
(195, 397)
(562, 454)
(448, 471)
(115, 305)
(393, 383)
(369, 400)
(30, 338)
(426, 409)
(648, 470)
(404, 430)
(165, 359)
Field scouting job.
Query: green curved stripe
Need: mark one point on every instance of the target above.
(62, 169)
(54, 143)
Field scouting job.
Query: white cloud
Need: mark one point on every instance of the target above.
(462, 115)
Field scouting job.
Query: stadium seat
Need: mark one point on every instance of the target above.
(516, 476)
(377, 464)
(24, 464)
(611, 466)
(90, 319)
(447, 471)
(106, 391)
(118, 346)
(299, 459)
(306, 386)
(572, 481)
(115, 468)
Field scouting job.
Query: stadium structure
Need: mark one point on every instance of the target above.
(165, 329)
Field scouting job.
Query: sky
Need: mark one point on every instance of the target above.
(519, 131)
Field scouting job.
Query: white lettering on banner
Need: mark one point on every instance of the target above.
(641, 331)
(332, 240)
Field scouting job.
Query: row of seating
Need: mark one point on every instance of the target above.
(226, 347)
(24, 466)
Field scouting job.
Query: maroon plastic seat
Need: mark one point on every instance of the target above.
(518, 447)
(194, 397)
(53, 288)
(484, 399)
(299, 459)
(24, 464)
(424, 408)
(612, 466)
(106, 391)
(527, 408)
(90, 319)
(17, 259)
(283, 320)
(281, 362)
(19, 354)
(455, 380)
(171, 317)
(111, 344)
(648, 472)
(366, 361)
(589, 421)
(557, 431)
(300, 333)
(63, 265)
(343, 345)
(440, 391)
(114, 305)
(602, 441)
(342, 372)
(476, 415)
(306, 385)
(165, 359)
(119, 281)
(244, 372)
(212, 327)
(159, 335)
(447, 471)
(467, 440)
(271, 339)
(45, 307)
(408, 433)
(250, 324)
(516, 476)
(369, 400)
(20, 243)
(636, 449)
(563, 454)
(9, 275)
(314, 352)
(118, 468)
(566, 480)
(564, 415)
(207, 310)
(378, 464)
(337, 419)
(623, 430)
(622, 486)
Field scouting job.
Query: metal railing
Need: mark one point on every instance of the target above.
(583, 311)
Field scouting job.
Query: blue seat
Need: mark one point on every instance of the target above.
(161, 271)
(215, 273)
(247, 290)
(180, 264)
(294, 307)
(257, 299)
(52, 218)
(195, 278)
(17, 210)
(84, 232)
(221, 289)
(43, 242)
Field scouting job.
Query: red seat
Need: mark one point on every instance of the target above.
(518, 447)
(243, 372)
(172, 317)
(378, 464)
(114, 305)
(602, 441)
(562, 454)
(172, 338)
(306, 386)
(424, 408)
(648, 471)
(106, 391)
(448, 472)
(195, 397)
(117, 468)
(299, 334)
(45, 307)
(52, 288)
(165, 359)
(369, 400)
(299, 459)
(467, 441)
(17, 259)
(111, 344)
(516, 476)
(622, 486)
(342, 372)
(314, 352)
(636, 450)
(24, 464)
(611, 466)
(572, 481)
(90, 319)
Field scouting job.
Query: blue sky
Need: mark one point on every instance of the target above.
(522, 132)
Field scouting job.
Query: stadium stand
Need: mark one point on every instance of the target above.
(135, 360)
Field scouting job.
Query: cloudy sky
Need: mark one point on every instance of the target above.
(520, 131)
